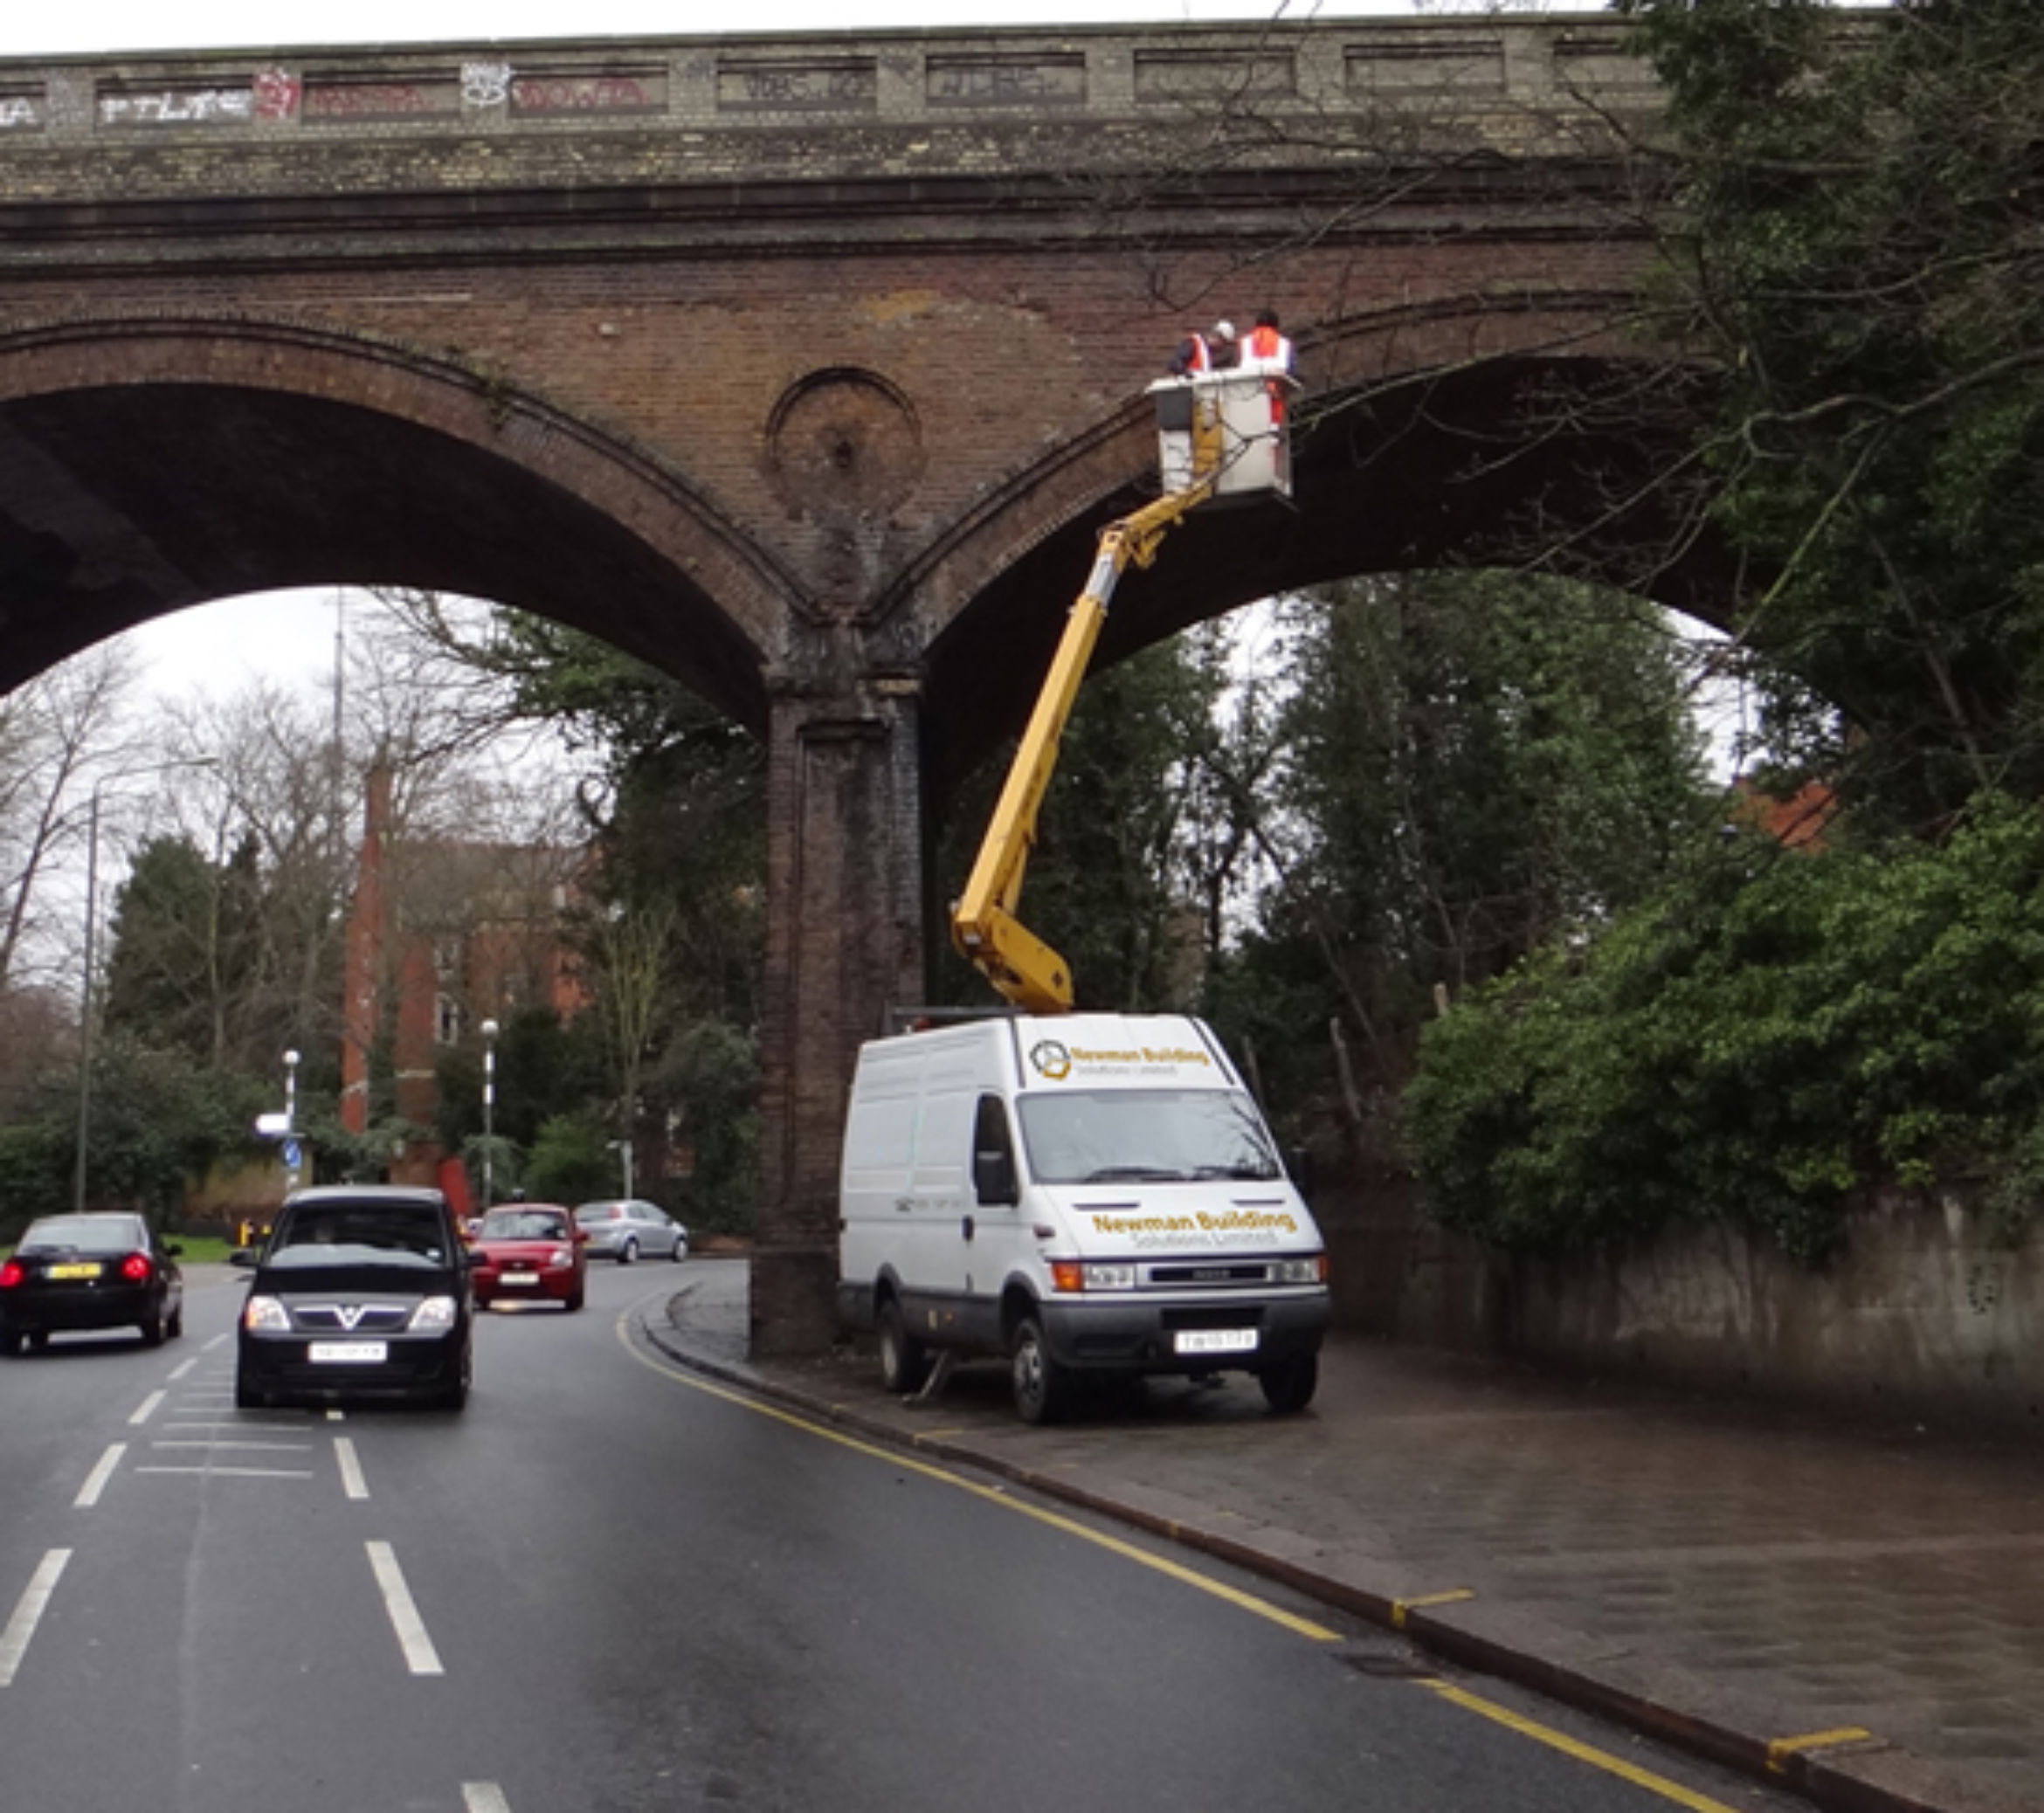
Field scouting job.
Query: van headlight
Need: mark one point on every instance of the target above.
(434, 1313)
(1298, 1272)
(1072, 1275)
(266, 1313)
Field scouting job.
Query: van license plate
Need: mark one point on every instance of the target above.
(347, 1353)
(1215, 1341)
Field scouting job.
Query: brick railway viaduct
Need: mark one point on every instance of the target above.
(805, 369)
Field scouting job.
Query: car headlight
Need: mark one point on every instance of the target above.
(266, 1313)
(434, 1313)
(562, 1259)
(1303, 1272)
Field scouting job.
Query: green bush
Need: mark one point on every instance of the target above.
(1777, 1033)
(571, 1162)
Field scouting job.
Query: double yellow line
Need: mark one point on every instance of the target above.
(1603, 1760)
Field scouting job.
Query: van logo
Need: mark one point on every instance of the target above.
(1051, 1060)
(349, 1315)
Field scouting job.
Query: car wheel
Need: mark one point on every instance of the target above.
(175, 1327)
(152, 1331)
(628, 1252)
(246, 1397)
(575, 1300)
(38, 1340)
(681, 1251)
(1290, 1385)
(903, 1360)
(11, 1342)
(1043, 1388)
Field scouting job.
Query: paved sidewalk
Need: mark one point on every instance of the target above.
(1730, 1577)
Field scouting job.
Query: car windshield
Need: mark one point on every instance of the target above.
(1145, 1135)
(524, 1225)
(358, 1233)
(81, 1233)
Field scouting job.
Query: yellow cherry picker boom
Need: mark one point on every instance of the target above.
(1221, 435)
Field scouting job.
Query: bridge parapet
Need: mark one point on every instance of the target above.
(813, 106)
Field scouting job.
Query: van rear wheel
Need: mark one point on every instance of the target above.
(1043, 1388)
(904, 1360)
(1289, 1384)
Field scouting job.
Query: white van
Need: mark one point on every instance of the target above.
(1091, 1193)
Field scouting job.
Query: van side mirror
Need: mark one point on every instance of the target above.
(1299, 1162)
(994, 1182)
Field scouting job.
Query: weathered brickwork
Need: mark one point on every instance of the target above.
(803, 367)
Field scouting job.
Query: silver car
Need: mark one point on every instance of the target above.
(624, 1228)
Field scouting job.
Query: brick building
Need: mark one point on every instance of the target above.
(442, 935)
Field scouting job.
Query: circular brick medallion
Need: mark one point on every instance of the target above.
(843, 446)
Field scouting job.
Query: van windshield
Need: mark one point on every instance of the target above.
(1145, 1136)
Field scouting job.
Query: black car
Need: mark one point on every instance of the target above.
(362, 1291)
(103, 1270)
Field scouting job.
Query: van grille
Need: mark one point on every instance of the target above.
(1244, 1271)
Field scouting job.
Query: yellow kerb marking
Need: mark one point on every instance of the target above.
(1782, 1749)
(1114, 1545)
(1400, 1607)
(1597, 1759)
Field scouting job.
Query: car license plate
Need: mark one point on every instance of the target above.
(1215, 1341)
(522, 1277)
(348, 1352)
(73, 1272)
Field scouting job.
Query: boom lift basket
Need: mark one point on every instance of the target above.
(1228, 426)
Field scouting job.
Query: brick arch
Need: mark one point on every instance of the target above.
(1508, 458)
(150, 464)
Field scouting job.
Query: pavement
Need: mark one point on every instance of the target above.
(1854, 1610)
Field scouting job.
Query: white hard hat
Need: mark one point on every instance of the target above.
(1223, 330)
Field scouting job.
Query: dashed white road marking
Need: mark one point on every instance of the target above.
(420, 1657)
(179, 1372)
(484, 1797)
(88, 1494)
(336, 1416)
(27, 1613)
(236, 1472)
(351, 1480)
(147, 1409)
(217, 1341)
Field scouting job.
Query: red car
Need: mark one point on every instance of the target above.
(528, 1252)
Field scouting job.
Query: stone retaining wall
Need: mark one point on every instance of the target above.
(1924, 1312)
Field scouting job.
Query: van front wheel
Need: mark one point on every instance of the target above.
(1043, 1388)
(904, 1360)
(1289, 1384)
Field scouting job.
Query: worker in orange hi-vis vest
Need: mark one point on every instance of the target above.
(1266, 349)
(1198, 354)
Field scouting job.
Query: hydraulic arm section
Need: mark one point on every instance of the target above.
(1219, 436)
(1024, 970)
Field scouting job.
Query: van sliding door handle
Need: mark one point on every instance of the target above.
(967, 1226)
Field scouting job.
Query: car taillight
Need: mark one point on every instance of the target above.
(12, 1274)
(135, 1268)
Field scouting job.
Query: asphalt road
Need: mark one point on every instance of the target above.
(608, 1586)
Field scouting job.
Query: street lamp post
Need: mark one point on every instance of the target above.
(291, 1148)
(85, 987)
(489, 1033)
